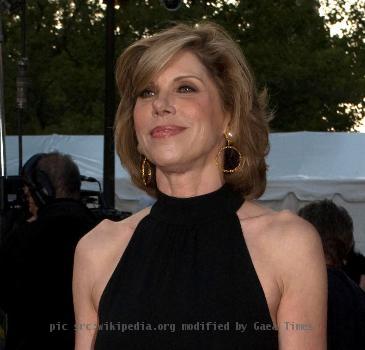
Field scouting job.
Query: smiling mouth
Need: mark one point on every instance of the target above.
(166, 131)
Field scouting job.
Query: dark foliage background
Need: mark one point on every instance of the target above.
(315, 81)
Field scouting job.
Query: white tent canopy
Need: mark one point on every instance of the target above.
(332, 163)
(308, 166)
(303, 167)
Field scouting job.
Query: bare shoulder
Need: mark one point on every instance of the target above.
(288, 257)
(278, 227)
(104, 236)
(282, 239)
(296, 236)
(98, 252)
(288, 250)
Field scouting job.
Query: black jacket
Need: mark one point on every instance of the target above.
(346, 312)
(37, 262)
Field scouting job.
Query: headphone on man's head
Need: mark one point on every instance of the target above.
(38, 181)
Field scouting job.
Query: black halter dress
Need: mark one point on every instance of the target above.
(186, 281)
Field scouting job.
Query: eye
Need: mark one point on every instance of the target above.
(186, 89)
(146, 93)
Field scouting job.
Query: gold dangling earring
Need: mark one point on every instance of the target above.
(146, 171)
(230, 155)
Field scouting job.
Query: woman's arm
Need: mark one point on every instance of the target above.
(302, 313)
(97, 255)
(85, 313)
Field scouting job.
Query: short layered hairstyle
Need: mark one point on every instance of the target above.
(227, 66)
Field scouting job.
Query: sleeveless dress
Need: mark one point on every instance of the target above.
(186, 281)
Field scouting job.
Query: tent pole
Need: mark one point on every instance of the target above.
(2, 126)
(109, 107)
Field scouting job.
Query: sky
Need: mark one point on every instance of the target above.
(362, 127)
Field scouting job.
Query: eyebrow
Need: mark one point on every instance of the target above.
(187, 76)
(181, 77)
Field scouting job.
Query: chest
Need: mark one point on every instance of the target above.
(197, 269)
(201, 275)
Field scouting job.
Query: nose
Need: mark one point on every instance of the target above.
(163, 106)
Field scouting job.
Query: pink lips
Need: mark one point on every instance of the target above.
(166, 131)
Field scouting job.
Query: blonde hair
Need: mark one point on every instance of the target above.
(227, 66)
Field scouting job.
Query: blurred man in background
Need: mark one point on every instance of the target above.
(355, 267)
(346, 300)
(36, 259)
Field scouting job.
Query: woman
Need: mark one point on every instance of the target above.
(205, 267)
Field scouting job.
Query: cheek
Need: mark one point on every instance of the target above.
(211, 118)
(137, 118)
(139, 125)
(139, 121)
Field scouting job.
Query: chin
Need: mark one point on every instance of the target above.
(162, 162)
(168, 162)
(164, 155)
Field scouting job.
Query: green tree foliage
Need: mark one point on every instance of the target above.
(350, 15)
(65, 47)
(315, 81)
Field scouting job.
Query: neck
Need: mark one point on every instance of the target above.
(189, 183)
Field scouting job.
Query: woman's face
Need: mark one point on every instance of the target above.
(179, 119)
